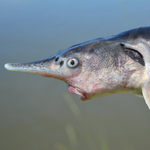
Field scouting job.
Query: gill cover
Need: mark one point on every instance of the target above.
(143, 47)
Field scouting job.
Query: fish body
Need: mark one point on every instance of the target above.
(100, 67)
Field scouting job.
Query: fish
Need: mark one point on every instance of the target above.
(116, 64)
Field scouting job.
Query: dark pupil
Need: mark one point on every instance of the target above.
(72, 62)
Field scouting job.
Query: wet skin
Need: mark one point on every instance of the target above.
(100, 67)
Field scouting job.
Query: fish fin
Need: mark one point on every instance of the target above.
(146, 93)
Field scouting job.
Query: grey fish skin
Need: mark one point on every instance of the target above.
(100, 67)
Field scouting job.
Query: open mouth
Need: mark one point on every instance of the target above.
(74, 90)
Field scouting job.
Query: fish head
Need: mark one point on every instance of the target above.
(90, 69)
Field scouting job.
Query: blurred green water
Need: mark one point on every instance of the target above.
(33, 110)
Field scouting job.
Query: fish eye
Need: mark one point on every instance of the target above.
(72, 62)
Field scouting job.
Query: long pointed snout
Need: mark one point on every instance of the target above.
(49, 67)
(37, 67)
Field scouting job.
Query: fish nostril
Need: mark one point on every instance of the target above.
(61, 63)
(56, 58)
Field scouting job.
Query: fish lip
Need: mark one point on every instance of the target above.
(81, 93)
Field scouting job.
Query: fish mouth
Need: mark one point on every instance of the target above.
(75, 90)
